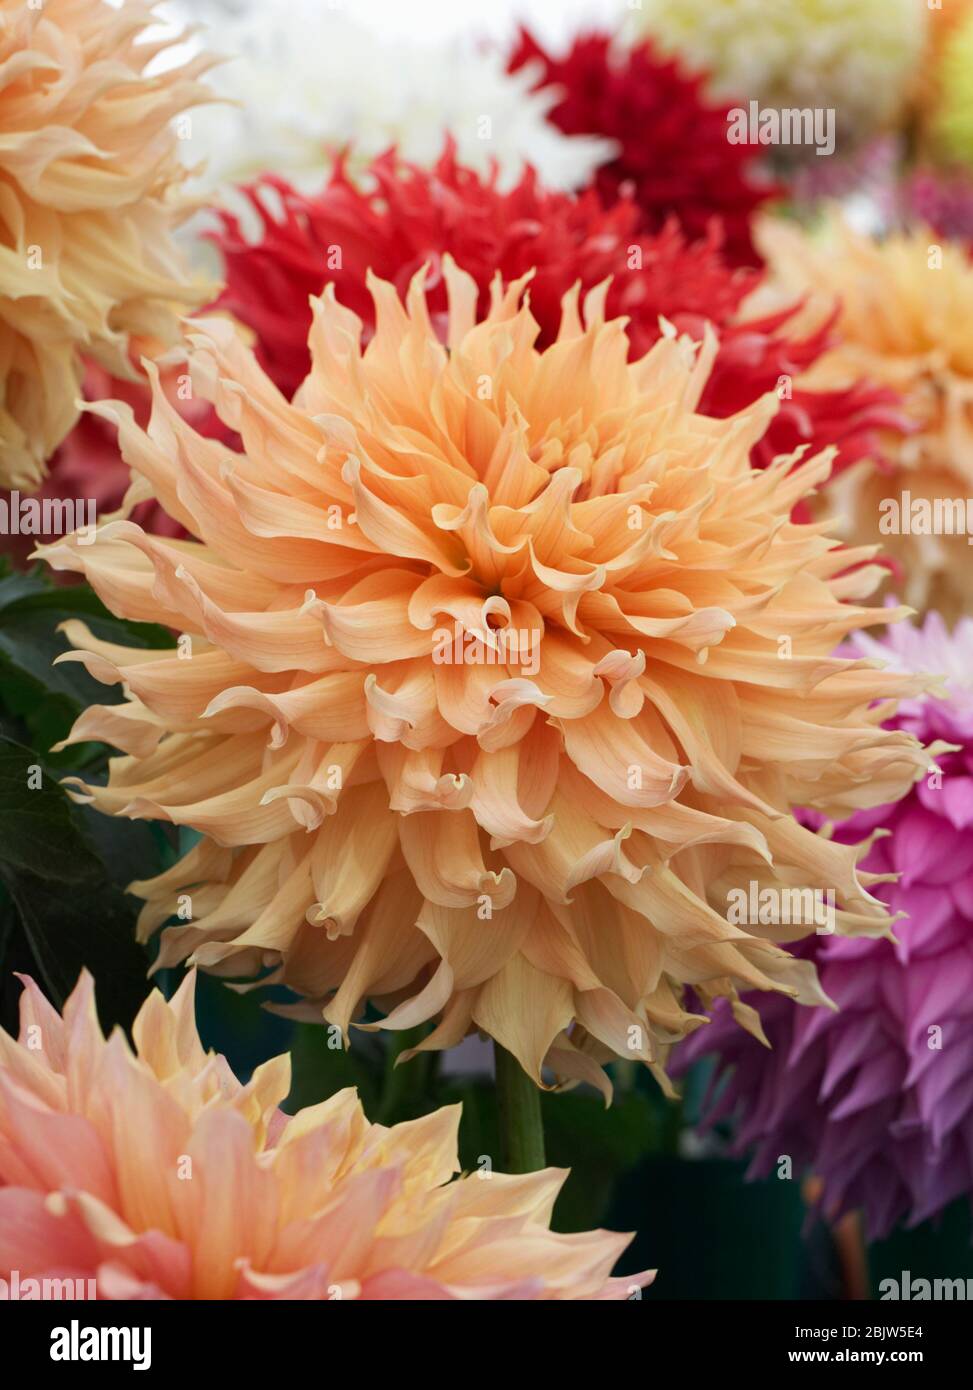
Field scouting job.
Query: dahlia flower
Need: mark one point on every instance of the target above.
(862, 59)
(91, 176)
(484, 684)
(411, 215)
(877, 1098)
(309, 84)
(671, 141)
(154, 1173)
(904, 323)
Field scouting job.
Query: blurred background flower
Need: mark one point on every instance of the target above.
(309, 83)
(906, 303)
(862, 59)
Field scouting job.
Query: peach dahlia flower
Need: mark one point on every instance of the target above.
(156, 1174)
(90, 174)
(906, 310)
(529, 830)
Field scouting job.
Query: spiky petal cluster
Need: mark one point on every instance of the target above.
(154, 1173)
(480, 689)
(91, 174)
(906, 306)
(877, 1098)
(411, 216)
(672, 145)
(862, 60)
(307, 84)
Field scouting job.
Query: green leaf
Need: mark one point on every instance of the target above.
(15, 585)
(47, 698)
(69, 904)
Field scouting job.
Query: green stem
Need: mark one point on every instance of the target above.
(519, 1111)
(406, 1088)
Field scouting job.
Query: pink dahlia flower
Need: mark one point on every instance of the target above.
(877, 1098)
(156, 1174)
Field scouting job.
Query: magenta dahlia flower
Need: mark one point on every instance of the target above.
(876, 1098)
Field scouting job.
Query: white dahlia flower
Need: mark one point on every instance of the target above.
(310, 83)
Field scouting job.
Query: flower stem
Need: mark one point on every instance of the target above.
(519, 1112)
(406, 1091)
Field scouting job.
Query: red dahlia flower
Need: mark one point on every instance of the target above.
(672, 139)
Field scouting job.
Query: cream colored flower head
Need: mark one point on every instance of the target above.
(498, 669)
(90, 177)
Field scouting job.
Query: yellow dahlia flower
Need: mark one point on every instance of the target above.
(860, 57)
(89, 172)
(497, 667)
(906, 310)
(156, 1174)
